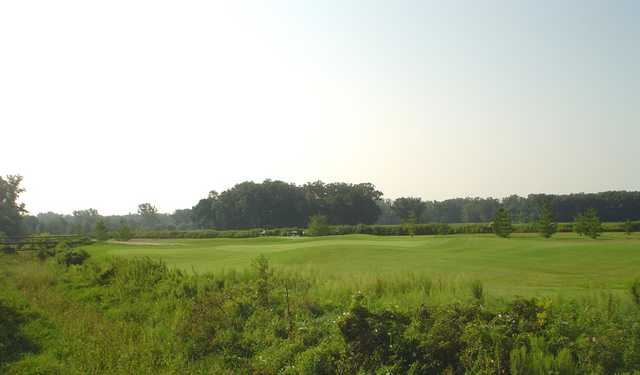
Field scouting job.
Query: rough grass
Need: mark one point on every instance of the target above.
(524, 265)
(58, 335)
(376, 304)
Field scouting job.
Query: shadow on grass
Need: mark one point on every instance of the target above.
(13, 343)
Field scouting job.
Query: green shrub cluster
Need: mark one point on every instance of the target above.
(318, 225)
(374, 229)
(71, 257)
(152, 319)
(65, 253)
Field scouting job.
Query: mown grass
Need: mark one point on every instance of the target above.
(524, 265)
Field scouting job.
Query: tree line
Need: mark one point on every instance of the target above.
(612, 206)
(276, 204)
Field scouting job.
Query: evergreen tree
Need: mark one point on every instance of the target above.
(546, 225)
(124, 233)
(580, 225)
(100, 231)
(593, 227)
(628, 227)
(502, 223)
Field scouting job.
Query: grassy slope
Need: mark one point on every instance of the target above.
(523, 265)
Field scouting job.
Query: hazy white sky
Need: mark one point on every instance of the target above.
(110, 104)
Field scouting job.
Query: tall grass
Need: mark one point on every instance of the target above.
(140, 316)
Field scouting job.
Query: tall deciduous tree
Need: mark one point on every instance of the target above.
(84, 221)
(408, 207)
(546, 225)
(182, 219)
(344, 203)
(11, 212)
(502, 223)
(149, 214)
(387, 214)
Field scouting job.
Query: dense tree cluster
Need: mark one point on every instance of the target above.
(408, 209)
(279, 204)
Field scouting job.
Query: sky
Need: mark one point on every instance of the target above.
(110, 104)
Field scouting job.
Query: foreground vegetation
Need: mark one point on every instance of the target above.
(525, 264)
(72, 314)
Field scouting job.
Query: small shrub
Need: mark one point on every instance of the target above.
(580, 225)
(628, 227)
(123, 233)
(373, 339)
(7, 249)
(100, 231)
(261, 267)
(71, 257)
(44, 253)
(443, 229)
(320, 360)
(46, 250)
(409, 225)
(635, 292)
(318, 225)
(61, 247)
(477, 290)
(539, 360)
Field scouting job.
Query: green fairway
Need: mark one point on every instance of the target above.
(521, 265)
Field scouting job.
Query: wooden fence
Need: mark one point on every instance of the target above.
(28, 243)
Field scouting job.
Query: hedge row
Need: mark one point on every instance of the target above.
(212, 233)
(378, 230)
